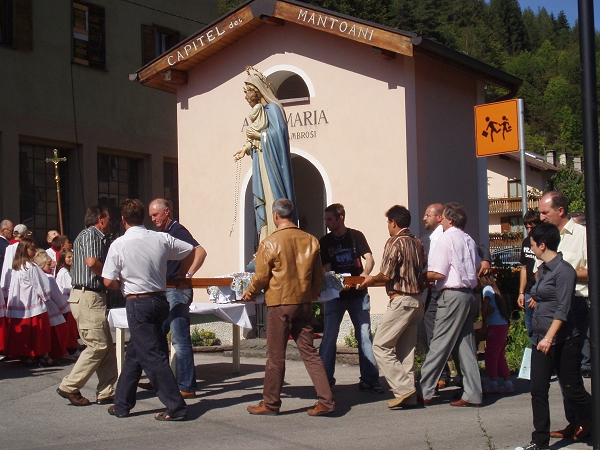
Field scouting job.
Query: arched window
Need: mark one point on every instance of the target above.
(293, 89)
(292, 84)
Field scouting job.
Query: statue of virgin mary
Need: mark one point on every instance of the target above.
(268, 144)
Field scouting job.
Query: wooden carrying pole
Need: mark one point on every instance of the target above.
(226, 281)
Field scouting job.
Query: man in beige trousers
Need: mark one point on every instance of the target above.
(88, 305)
(402, 267)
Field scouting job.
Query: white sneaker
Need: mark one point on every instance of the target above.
(532, 446)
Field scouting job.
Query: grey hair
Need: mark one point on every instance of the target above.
(457, 214)
(4, 224)
(162, 203)
(284, 208)
(93, 214)
(579, 217)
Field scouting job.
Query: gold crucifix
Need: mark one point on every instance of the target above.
(55, 161)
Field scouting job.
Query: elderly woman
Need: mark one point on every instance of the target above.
(555, 339)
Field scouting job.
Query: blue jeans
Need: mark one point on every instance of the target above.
(179, 324)
(147, 351)
(358, 309)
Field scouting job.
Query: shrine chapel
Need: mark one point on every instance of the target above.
(376, 117)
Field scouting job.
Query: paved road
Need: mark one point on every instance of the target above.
(33, 416)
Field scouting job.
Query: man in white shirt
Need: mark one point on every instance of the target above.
(554, 209)
(453, 266)
(136, 263)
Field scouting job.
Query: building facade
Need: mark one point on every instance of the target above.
(505, 188)
(376, 116)
(64, 71)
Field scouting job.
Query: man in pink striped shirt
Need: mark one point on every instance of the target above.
(453, 267)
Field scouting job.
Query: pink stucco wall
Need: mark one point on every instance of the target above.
(372, 153)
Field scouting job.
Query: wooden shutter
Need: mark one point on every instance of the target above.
(505, 224)
(23, 24)
(148, 44)
(96, 48)
(81, 34)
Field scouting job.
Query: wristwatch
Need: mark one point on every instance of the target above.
(188, 275)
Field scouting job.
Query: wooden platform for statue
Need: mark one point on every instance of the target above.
(226, 281)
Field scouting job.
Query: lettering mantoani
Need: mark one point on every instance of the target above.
(331, 23)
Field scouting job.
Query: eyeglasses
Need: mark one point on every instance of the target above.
(431, 215)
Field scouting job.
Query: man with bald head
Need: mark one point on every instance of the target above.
(433, 223)
(554, 209)
(178, 322)
(6, 233)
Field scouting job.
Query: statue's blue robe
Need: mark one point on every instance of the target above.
(276, 152)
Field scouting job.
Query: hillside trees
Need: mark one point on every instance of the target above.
(540, 48)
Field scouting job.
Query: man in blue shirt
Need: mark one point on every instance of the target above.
(160, 211)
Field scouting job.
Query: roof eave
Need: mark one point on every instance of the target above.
(490, 74)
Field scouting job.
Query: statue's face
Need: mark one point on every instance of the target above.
(252, 97)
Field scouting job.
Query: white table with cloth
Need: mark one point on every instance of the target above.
(234, 313)
(225, 292)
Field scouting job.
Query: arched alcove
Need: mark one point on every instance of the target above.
(312, 194)
(292, 83)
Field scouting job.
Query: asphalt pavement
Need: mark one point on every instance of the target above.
(33, 416)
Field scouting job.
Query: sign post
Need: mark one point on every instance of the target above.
(521, 112)
(500, 128)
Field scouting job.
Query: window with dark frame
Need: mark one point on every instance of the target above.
(514, 188)
(16, 24)
(38, 199)
(512, 224)
(89, 46)
(6, 22)
(118, 179)
(171, 182)
(156, 40)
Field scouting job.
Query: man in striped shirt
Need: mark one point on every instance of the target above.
(402, 267)
(88, 305)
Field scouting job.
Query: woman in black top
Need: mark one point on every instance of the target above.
(555, 339)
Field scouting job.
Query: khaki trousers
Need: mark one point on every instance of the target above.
(89, 311)
(395, 341)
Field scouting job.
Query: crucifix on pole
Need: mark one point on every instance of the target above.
(55, 161)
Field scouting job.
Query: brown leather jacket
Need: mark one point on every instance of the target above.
(288, 267)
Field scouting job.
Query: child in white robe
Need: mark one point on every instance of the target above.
(58, 325)
(63, 279)
(28, 331)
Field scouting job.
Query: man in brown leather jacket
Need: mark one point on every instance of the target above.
(288, 268)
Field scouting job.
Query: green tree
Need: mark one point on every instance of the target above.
(572, 185)
(508, 24)
(224, 6)
(379, 11)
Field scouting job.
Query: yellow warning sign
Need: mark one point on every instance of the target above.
(497, 128)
